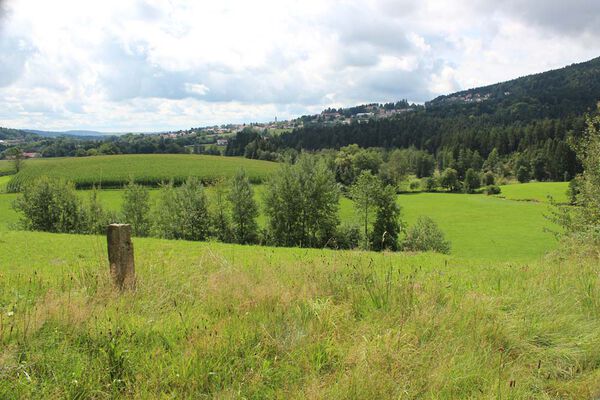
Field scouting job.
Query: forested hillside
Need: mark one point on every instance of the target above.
(11, 134)
(554, 94)
(532, 116)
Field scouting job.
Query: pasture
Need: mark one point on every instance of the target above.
(146, 169)
(6, 168)
(210, 320)
(478, 226)
(536, 191)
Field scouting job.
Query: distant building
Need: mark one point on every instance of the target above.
(364, 115)
(32, 155)
(221, 142)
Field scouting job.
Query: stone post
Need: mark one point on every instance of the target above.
(120, 255)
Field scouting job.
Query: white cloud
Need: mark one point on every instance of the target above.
(167, 64)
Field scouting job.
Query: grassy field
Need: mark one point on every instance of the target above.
(478, 226)
(484, 227)
(6, 168)
(222, 321)
(3, 182)
(536, 191)
(150, 169)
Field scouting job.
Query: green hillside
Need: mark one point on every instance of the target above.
(149, 169)
(573, 89)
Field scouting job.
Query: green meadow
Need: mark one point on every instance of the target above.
(3, 182)
(536, 191)
(478, 226)
(147, 169)
(210, 320)
(6, 168)
(502, 317)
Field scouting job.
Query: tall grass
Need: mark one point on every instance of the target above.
(225, 321)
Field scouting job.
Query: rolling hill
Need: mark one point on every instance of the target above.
(571, 90)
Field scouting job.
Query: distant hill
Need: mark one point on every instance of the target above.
(14, 134)
(528, 118)
(571, 90)
(71, 133)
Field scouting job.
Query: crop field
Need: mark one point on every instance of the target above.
(478, 226)
(150, 169)
(536, 191)
(209, 320)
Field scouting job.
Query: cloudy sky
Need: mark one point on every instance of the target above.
(149, 65)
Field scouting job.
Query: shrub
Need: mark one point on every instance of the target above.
(414, 185)
(136, 209)
(573, 190)
(472, 181)
(182, 212)
(523, 174)
(346, 237)
(492, 189)
(425, 235)
(51, 205)
(449, 180)
(96, 217)
(430, 184)
(489, 179)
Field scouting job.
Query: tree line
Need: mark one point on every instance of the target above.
(581, 219)
(301, 206)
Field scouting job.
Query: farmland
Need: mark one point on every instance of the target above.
(216, 320)
(115, 171)
(478, 226)
(494, 319)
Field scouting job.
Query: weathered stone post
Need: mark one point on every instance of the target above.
(120, 255)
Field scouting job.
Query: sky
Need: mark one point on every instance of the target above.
(155, 65)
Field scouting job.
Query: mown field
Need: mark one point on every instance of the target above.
(210, 320)
(147, 169)
(536, 191)
(478, 226)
